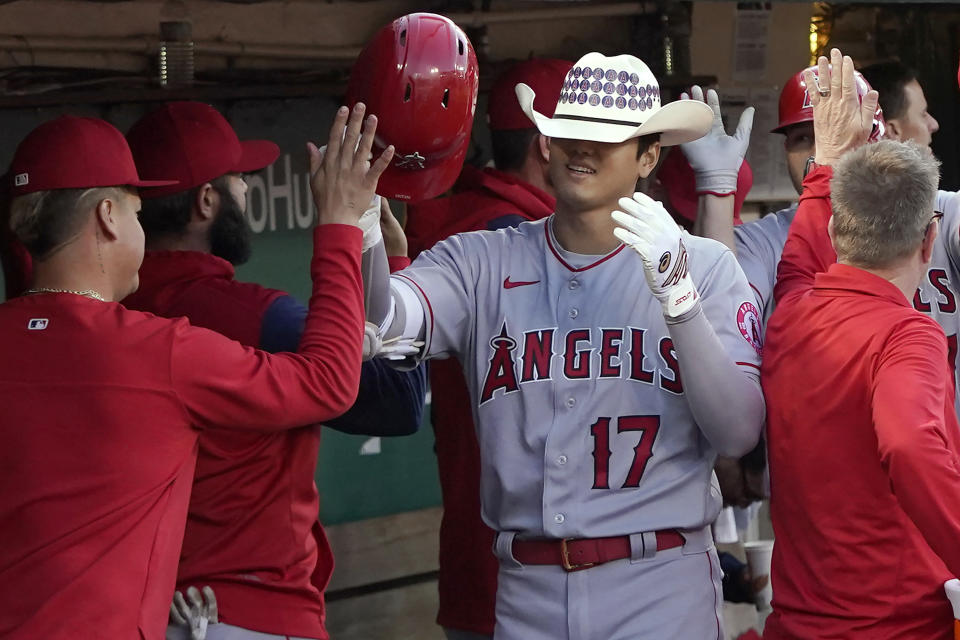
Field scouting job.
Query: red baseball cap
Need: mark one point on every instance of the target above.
(74, 153)
(192, 142)
(544, 75)
(677, 179)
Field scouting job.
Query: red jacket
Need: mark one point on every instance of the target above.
(99, 431)
(252, 532)
(864, 449)
(468, 568)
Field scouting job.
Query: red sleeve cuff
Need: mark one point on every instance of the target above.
(338, 235)
(817, 183)
(398, 263)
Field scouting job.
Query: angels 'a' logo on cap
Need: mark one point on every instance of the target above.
(411, 161)
(21, 179)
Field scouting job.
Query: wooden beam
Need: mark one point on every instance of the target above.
(367, 552)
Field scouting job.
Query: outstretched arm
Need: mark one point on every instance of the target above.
(716, 159)
(808, 249)
(715, 219)
(914, 438)
(841, 122)
(389, 402)
(221, 383)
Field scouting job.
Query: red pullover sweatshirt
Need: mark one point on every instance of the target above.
(102, 407)
(864, 449)
(252, 531)
(486, 199)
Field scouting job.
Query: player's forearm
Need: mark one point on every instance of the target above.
(710, 380)
(808, 250)
(912, 419)
(390, 402)
(375, 268)
(715, 219)
(224, 384)
(925, 478)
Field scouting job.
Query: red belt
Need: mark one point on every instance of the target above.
(577, 554)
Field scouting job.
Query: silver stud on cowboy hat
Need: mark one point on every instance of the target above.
(614, 99)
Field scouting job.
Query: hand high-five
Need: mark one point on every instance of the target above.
(716, 157)
(841, 121)
(343, 181)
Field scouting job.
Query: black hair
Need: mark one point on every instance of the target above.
(889, 79)
(169, 215)
(510, 147)
(645, 142)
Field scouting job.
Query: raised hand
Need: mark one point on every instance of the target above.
(646, 227)
(841, 120)
(343, 181)
(716, 157)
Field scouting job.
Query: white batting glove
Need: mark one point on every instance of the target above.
(370, 224)
(374, 346)
(646, 227)
(198, 614)
(716, 157)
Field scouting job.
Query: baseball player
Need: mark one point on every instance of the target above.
(102, 405)
(759, 244)
(490, 198)
(864, 441)
(268, 570)
(599, 407)
(903, 102)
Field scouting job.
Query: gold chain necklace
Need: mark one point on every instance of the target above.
(89, 293)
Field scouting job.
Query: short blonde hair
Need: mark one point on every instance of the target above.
(883, 197)
(44, 221)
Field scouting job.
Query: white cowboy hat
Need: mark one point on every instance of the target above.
(614, 99)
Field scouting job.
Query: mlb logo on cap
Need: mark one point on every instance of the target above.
(21, 179)
(38, 324)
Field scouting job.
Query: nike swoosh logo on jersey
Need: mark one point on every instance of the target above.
(510, 285)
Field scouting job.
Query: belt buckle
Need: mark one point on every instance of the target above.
(565, 558)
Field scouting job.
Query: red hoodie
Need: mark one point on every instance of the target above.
(483, 199)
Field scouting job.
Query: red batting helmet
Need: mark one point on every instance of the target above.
(795, 105)
(418, 75)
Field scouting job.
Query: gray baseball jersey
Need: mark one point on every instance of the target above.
(760, 244)
(759, 247)
(937, 295)
(583, 426)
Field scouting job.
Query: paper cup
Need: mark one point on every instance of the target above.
(952, 587)
(759, 554)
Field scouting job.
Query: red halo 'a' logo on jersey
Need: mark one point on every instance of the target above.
(748, 321)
